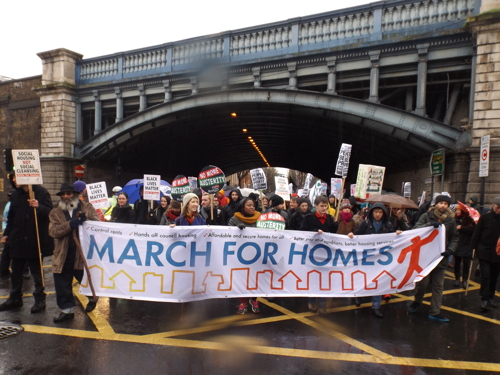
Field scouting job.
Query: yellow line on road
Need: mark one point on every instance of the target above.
(259, 349)
(100, 322)
(329, 330)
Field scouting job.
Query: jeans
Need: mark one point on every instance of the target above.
(376, 301)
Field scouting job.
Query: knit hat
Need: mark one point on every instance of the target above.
(366, 204)
(80, 186)
(443, 198)
(187, 198)
(345, 204)
(496, 201)
(276, 200)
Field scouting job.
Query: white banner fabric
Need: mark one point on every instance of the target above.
(159, 263)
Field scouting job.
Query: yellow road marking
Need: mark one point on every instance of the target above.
(329, 330)
(269, 350)
(100, 322)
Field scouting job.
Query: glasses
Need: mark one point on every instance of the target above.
(66, 193)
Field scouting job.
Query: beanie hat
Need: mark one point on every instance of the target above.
(366, 204)
(187, 198)
(496, 201)
(80, 186)
(276, 200)
(443, 198)
(345, 204)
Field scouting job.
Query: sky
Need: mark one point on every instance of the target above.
(95, 28)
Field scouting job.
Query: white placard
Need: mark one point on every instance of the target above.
(343, 161)
(259, 181)
(407, 190)
(484, 156)
(336, 186)
(307, 183)
(152, 187)
(315, 191)
(370, 180)
(282, 187)
(27, 167)
(98, 195)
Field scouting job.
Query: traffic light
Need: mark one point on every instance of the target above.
(7, 160)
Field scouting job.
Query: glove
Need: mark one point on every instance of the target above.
(436, 224)
(82, 217)
(74, 223)
(241, 226)
(447, 253)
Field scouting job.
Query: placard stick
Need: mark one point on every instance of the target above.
(340, 200)
(82, 256)
(211, 206)
(32, 196)
(470, 271)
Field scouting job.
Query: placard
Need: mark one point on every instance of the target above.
(259, 180)
(151, 187)
(307, 183)
(27, 167)
(98, 195)
(315, 191)
(180, 187)
(407, 190)
(282, 187)
(370, 180)
(211, 179)
(343, 161)
(271, 220)
(336, 186)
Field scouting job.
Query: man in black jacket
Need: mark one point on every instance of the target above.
(229, 209)
(484, 240)
(21, 234)
(437, 215)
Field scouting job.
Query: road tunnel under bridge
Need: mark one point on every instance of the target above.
(294, 129)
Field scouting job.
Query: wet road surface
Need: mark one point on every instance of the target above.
(137, 337)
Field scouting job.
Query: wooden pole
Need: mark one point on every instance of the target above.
(40, 261)
(85, 265)
(470, 271)
(211, 206)
(340, 200)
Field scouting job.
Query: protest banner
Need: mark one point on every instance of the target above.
(27, 167)
(324, 188)
(336, 187)
(290, 188)
(370, 180)
(315, 191)
(180, 187)
(259, 181)
(343, 160)
(282, 187)
(151, 187)
(353, 189)
(98, 195)
(195, 263)
(271, 220)
(211, 179)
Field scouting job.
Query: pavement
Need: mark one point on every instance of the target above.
(137, 337)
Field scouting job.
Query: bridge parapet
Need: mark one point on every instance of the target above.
(376, 23)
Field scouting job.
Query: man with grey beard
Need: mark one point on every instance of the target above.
(67, 216)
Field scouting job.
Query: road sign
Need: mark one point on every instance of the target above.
(79, 171)
(437, 162)
(484, 156)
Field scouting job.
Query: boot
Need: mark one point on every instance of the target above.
(464, 284)
(39, 306)
(11, 304)
(457, 283)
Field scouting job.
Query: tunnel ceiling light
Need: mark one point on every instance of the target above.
(233, 114)
(245, 130)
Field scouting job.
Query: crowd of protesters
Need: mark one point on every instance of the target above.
(59, 224)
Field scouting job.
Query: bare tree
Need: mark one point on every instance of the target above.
(270, 174)
(241, 176)
(298, 178)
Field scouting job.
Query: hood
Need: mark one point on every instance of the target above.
(474, 199)
(239, 196)
(378, 205)
(303, 200)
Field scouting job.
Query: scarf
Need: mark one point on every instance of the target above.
(247, 219)
(171, 216)
(442, 217)
(189, 218)
(345, 216)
